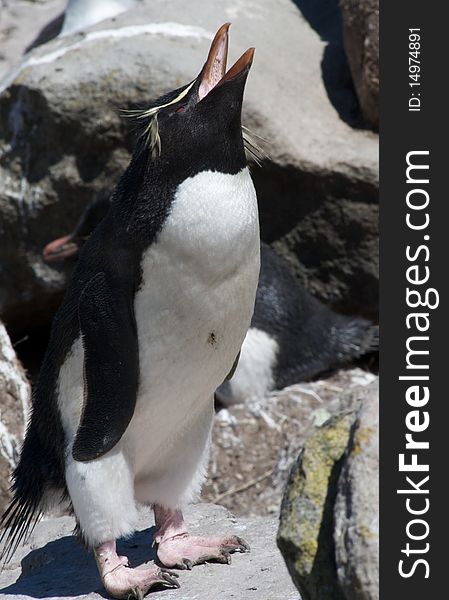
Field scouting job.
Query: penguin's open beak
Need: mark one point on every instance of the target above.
(214, 71)
(60, 249)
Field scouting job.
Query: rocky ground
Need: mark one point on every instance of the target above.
(53, 565)
(255, 444)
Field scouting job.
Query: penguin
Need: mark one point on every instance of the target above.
(152, 322)
(81, 14)
(293, 336)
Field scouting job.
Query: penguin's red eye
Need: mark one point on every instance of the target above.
(180, 109)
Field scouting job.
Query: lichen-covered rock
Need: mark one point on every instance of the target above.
(306, 528)
(14, 403)
(356, 511)
(62, 143)
(328, 532)
(361, 40)
(254, 444)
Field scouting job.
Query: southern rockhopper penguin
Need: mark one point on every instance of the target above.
(151, 324)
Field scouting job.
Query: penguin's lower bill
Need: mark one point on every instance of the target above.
(152, 322)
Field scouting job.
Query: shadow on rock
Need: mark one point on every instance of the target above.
(324, 16)
(62, 568)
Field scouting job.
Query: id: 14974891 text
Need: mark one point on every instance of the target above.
(414, 69)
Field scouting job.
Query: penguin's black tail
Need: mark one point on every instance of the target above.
(24, 510)
(331, 341)
(354, 337)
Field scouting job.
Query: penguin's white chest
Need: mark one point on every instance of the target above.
(194, 305)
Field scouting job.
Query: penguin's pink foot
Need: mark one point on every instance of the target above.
(122, 582)
(186, 551)
(177, 549)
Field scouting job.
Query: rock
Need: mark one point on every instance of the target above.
(14, 403)
(63, 143)
(356, 510)
(334, 252)
(254, 444)
(53, 565)
(328, 532)
(305, 532)
(361, 39)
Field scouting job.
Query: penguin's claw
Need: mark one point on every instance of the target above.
(171, 578)
(242, 545)
(135, 594)
(224, 557)
(188, 564)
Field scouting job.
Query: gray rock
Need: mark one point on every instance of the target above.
(254, 444)
(361, 39)
(63, 143)
(334, 251)
(14, 404)
(328, 532)
(53, 565)
(356, 510)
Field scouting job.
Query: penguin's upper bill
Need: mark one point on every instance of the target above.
(214, 72)
(215, 96)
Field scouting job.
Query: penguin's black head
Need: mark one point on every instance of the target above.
(198, 126)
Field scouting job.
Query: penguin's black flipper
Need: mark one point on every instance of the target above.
(234, 367)
(111, 363)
